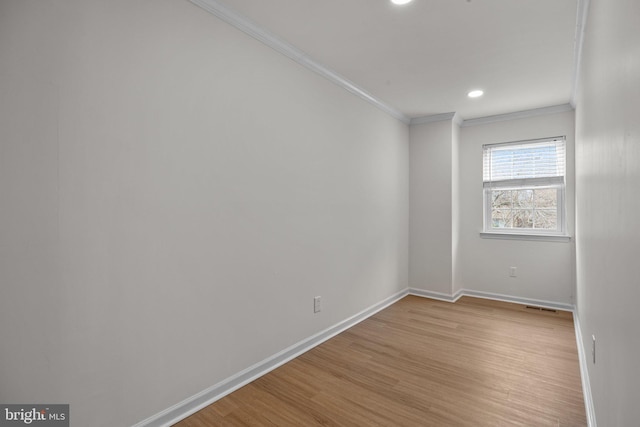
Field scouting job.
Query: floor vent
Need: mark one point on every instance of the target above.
(531, 307)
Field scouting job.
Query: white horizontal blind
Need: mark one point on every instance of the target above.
(525, 163)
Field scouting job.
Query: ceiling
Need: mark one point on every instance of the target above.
(423, 58)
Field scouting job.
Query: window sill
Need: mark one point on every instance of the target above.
(522, 236)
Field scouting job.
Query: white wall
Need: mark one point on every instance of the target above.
(446, 252)
(608, 202)
(430, 207)
(543, 268)
(174, 194)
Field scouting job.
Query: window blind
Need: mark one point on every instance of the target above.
(524, 163)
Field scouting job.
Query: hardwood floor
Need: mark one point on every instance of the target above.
(422, 362)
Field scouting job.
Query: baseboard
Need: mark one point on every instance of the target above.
(518, 300)
(582, 358)
(584, 373)
(206, 397)
(432, 295)
(490, 295)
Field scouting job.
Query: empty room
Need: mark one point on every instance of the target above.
(305, 212)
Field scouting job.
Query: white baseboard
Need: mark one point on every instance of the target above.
(206, 397)
(584, 373)
(582, 358)
(518, 300)
(490, 295)
(433, 295)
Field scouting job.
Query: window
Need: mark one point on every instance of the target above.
(524, 187)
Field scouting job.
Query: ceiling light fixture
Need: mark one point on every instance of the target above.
(475, 93)
(400, 1)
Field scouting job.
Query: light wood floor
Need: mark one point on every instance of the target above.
(422, 362)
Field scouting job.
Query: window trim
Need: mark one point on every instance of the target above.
(560, 234)
(522, 236)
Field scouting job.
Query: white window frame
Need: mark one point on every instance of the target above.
(560, 233)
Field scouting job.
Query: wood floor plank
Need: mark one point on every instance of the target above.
(422, 362)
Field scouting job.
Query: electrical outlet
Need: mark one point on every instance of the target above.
(593, 348)
(317, 306)
(512, 271)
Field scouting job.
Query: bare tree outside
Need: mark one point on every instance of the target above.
(535, 208)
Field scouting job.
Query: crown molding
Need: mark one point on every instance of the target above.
(431, 119)
(233, 18)
(518, 115)
(458, 119)
(228, 15)
(581, 23)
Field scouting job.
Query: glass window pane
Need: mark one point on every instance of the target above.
(501, 199)
(501, 218)
(546, 219)
(529, 185)
(522, 218)
(546, 198)
(523, 199)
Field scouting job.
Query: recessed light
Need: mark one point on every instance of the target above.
(400, 1)
(475, 93)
